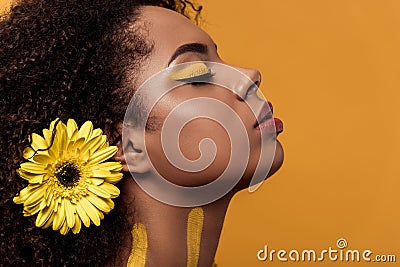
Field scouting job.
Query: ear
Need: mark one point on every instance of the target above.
(131, 151)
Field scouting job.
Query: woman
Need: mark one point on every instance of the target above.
(85, 60)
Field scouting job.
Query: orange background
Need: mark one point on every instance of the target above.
(332, 71)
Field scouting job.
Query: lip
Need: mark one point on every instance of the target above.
(266, 122)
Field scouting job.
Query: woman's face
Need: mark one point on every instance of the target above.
(177, 40)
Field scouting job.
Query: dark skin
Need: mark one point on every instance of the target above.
(166, 224)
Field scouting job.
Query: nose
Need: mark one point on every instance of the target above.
(250, 86)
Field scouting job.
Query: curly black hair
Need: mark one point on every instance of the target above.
(65, 59)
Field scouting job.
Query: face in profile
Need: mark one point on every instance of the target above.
(178, 41)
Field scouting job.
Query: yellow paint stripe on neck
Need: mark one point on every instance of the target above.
(194, 229)
(139, 246)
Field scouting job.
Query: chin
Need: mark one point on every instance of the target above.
(276, 165)
(278, 159)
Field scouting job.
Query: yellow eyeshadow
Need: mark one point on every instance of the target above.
(192, 71)
(194, 230)
(138, 255)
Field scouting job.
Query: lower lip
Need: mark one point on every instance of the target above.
(273, 125)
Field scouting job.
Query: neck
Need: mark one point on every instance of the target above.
(175, 236)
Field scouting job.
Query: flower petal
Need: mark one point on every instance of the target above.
(59, 218)
(38, 142)
(101, 214)
(85, 156)
(111, 189)
(86, 130)
(42, 204)
(50, 220)
(82, 214)
(52, 124)
(57, 202)
(96, 133)
(62, 136)
(47, 134)
(97, 181)
(69, 213)
(32, 210)
(109, 202)
(25, 193)
(36, 196)
(102, 155)
(58, 138)
(21, 197)
(113, 178)
(28, 175)
(37, 180)
(98, 202)
(111, 166)
(100, 173)
(64, 229)
(98, 191)
(71, 127)
(77, 226)
(79, 142)
(93, 144)
(42, 159)
(50, 200)
(91, 211)
(43, 216)
(33, 168)
(106, 144)
(53, 153)
(28, 153)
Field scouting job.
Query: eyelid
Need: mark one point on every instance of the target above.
(195, 72)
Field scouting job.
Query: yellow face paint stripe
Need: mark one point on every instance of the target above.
(137, 257)
(194, 230)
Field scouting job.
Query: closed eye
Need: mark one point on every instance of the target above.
(196, 72)
(200, 80)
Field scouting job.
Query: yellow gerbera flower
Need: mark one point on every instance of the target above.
(69, 184)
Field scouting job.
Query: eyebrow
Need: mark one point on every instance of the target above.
(187, 48)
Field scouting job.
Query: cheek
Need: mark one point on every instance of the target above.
(200, 153)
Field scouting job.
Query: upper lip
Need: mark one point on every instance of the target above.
(265, 113)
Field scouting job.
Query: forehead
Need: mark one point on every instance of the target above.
(168, 30)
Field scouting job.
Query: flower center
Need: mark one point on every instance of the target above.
(68, 174)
